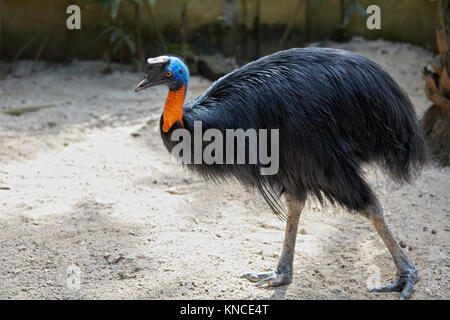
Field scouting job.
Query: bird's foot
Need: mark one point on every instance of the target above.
(404, 283)
(272, 279)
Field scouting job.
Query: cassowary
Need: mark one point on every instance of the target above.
(335, 111)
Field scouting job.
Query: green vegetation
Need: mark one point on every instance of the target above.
(22, 110)
(119, 35)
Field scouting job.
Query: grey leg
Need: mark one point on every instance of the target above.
(284, 271)
(407, 274)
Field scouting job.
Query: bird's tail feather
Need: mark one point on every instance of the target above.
(272, 196)
(404, 149)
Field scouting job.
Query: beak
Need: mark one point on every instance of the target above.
(154, 73)
(144, 84)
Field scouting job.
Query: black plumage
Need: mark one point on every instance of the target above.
(335, 111)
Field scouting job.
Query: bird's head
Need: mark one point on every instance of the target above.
(167, 70)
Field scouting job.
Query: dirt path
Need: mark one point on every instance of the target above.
(78, 191)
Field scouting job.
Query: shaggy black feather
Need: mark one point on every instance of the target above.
(335, 111)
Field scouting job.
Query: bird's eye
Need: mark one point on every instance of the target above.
(181, 71)
(168, 74)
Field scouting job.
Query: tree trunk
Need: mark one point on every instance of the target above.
(155, 25)
(257, 30)
(291, 24)
(1, 31)
(183, 22)
(244, 34)
(436, 121)
(140, 52)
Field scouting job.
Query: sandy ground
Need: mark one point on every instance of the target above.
(83, 198)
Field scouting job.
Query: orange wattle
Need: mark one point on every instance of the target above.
(173, 110)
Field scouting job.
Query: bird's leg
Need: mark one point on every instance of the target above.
(283, 273)
(407, 274)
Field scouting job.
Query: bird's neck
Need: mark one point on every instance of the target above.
(173, 110)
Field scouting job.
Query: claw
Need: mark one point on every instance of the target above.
(406, 293)
(272, 279)
(403, 284)
(396, 286)
(256, 277)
